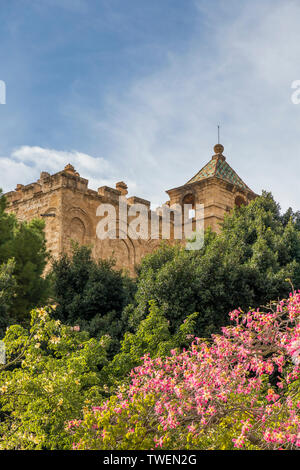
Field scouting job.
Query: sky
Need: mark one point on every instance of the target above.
(133, 90)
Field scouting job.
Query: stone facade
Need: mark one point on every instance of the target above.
(69, 209)
(217, 187)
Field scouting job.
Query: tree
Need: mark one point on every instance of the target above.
(51, 372)
(91, 294)
(152, 337)
(218, 394)
(25, 244)
(7, 290)
(290, 214)
(247, 263)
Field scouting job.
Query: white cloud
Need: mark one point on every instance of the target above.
(25, 164)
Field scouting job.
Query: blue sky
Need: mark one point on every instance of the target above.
(133, 90)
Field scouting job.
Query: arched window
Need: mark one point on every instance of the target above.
(77, 230)
(190, 200)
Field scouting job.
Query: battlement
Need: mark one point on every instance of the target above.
(69, 209)
(68, 178)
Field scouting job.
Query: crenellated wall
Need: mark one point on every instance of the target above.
(69, 209)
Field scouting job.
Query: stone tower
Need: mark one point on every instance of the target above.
(217, 186)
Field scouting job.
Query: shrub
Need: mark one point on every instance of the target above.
(91, 294)
(50, 374)
(23, 247)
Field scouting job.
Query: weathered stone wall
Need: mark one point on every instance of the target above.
(39, 200)
(69, 209)
(217, 196)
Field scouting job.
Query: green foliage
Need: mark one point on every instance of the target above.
(291, 215)
(215, 395)
(24, 243)
(54, 372)
(246, 264)
(135, 427)
(51, 373)
(91, 294)
(152, 337)
(7, 290)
